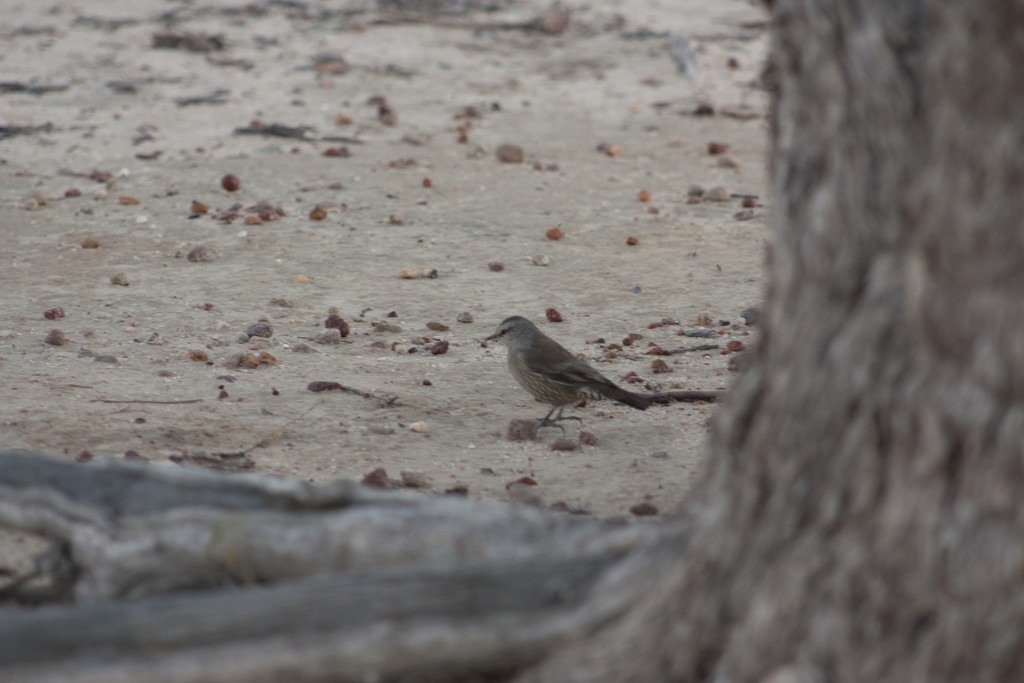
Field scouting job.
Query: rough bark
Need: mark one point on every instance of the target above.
(861, 518)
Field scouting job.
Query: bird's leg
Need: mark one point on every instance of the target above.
(548, 421)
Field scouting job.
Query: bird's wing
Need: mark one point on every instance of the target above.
(575, 373)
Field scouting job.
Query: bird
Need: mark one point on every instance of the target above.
(552, 374)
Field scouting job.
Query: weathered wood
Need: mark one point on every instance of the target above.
(398, 624)
(366, 585)
(129, 530)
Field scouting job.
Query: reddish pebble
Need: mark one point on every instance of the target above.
(378, 479)
(230, 182)
(439, 348)
(717, 148)
(53, 313)
(317, 214)
(427, 182)
(72, 192)
(643, 195)
(526, 481)
(643, 510)
(338, 323)
(495, 266)
(336, 152)
(555, 233)
(632, 241)
(659, 367)
(55, 338)
(521, 430)
(587, 439)
(437, 327)
(84, 456)
(553, 315)
(563, 445)
(735, 345)
(274, 392)
(749, 202)
(126, 200)
(132, 455)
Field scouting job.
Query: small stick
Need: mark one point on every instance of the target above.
(140, 400)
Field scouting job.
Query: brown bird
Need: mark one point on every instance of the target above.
(552, 374)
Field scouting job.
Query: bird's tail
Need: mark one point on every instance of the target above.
(632, 400)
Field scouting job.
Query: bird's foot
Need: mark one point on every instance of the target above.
(548, 421)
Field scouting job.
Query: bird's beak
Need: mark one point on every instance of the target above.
(491, 337)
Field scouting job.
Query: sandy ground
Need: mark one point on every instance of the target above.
(131, 376)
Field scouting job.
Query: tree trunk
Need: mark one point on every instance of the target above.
(861, 517)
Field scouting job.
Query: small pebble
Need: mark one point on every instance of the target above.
(563, 445)
(715, 148)
(414, 480)
(386, 328)
(659, 454)
(554, 20)
(437, 327)
(540, 260)
(553, 315)
(410, 273)
(496, 266)
(751, 316)
(555, 233)
(198, 207)
(439, 347)
(419, 427)
(464, 317)
(734, 346)
(632, 241)
(521, 430)
(260, 329)
(90, 243)
(230, 182)
(335, 321)
(328, 336)
(317, 213)
(55, 338)
(397, 218)
(510, 154)
(727, 162)
(53, 313)
(119, 279)
(643, 196)
(587, 439)
(106, 358)
(378, 479)
(695, 190)
(201, 253)
(659, 367)
(643, 510)
(198, 355)
(717, 194)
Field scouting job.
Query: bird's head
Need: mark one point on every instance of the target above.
(511, 328)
